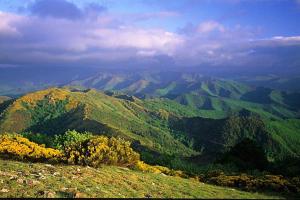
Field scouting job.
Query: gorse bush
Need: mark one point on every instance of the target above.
(140, 165)
(70, 138)
(15, 146)
(252, 183)
(98, 150)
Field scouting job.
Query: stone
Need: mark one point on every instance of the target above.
(78, 195)
(4, 190)
(20, 181)
(51, 194)
(33, 182)
(56, 174)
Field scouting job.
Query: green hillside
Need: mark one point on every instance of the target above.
(55, 110)
(29, 180)
(211, 95)
(161, 126)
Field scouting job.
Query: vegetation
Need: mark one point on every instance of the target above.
(242, 155)
(70, 138)
(19, 179)
(264, 183)
(17, 147)
(174, 135)
(101, 150)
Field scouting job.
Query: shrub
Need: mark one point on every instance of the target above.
(140, 165)
(39, 138)
(246, 155)
(100, 150)
(15, 146)
(70, 138)
(251, 183)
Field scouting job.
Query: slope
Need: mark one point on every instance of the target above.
(56, 110)
(44, 180)
(197, 91)
(160, 126)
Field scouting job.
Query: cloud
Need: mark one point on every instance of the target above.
(153, 15)
(96, 37)
(64, 9)
(6, 24)
(210, 26)
(56, 40)
(55, 8)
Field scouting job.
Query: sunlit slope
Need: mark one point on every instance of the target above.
(163, 84)
(44, 180)
(160, 125)
(55, 110)
(210, 95)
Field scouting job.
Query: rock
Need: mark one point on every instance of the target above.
(50, 194)
(48, 165)
(75, 177)
(41, 192)
(153, 183)
(56, 174)
(33, 182)
(20, 181)
(64, 189)
(4, 190)
(124, 168)
(78, 195)
(42, 177)
(13, 178)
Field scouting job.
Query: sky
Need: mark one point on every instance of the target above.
(149, 33)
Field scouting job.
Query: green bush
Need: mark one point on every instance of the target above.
(70, 138)
(39, 138)
(246, 155)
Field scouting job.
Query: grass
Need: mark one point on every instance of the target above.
(18, 179)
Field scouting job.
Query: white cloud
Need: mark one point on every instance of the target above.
(209, 26)
(7, 21)
(58, 41)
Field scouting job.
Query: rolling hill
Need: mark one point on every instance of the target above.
(198, 91)
(160, 125)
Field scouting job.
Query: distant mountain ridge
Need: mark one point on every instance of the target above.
(195, 90)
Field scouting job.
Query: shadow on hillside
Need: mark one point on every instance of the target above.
(73, 119)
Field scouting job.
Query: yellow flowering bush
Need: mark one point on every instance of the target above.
(252, 183)
(100, 150)
(14, 146)
(140, 165)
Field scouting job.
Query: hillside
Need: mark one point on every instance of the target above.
(20, 179)
(198, 91)
(55, 110)
(159, 126)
